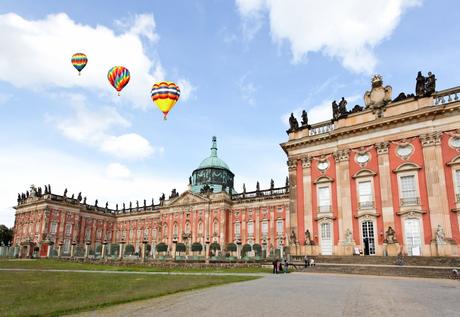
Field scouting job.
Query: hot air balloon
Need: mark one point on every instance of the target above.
(165, 95)
(79, 61)
(118, 77)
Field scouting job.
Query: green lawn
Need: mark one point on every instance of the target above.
(56, 293)
(57, 264)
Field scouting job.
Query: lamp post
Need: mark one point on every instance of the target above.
(207, 248)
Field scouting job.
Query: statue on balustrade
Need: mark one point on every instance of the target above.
(79, 197)
(137, 205)
(293, 123)
(272, 184)
(308, 240)
(420, 85)
(305, 119)
(145, 204)
(95, 203)
(244, 188)
(390, 236)
(292, 238)
(425, 86)
(124, 208)
(430, 86)
(65, 192)
(84, 201)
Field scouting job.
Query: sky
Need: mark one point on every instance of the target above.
(243, 66)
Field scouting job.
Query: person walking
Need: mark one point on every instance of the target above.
(286, 266)
(280, 266)
(275, 266)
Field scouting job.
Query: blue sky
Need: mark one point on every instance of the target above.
(242, 66)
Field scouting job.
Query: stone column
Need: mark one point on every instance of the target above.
(120, 251)
(386, 193)
(308, 212)
(104, 245)
(86, 250)
(72, 248)
(344, 212)
(436, 182)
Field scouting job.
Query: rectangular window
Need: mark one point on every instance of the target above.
(66, 246)
(408, 190)
(279, 227)
(365, 194)
(237, 228)
(264, 228)
(53, 228)
(250, 228)
(324, 198)
(88, 234)
(457, 179)
(68, 229)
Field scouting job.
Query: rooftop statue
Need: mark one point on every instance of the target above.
(425, 86)
(293, 123)
(378, 97)
(304, 119)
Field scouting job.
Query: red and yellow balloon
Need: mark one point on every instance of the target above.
(165, 94)
(118, 77)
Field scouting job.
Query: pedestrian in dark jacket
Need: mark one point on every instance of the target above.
(286, 266)
(275, 266)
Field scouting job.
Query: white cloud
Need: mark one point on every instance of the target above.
(346, 30)
(93, 127)
(80, 175)
(186, 89)
(39, 51)
(128, 146)
(117, 170)
(247, 90)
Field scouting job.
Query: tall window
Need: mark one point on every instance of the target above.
(237, 228)
(68, 229)
(200, 227)
(324, 197)
(66, 246)
(175, 230)
(264, 228)
(53, 228)
(88, 234)
(365, 194)
(216, 226)
(279, 227)
(457, 179)
(408, 190)
(187, 227)
(251, 228)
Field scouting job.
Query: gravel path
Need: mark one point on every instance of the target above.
(304, 294)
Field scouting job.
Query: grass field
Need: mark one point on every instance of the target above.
(56, 264)
(56, 293)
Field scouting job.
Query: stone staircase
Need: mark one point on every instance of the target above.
(429, 267)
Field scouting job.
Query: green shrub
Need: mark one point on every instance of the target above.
(197, 247)
(129, 249)
(180, 247)
(231, 247)
(214, 246)
(162, 247)
(257, 249)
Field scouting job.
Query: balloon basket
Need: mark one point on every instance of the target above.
(164, 118)
(118, 94)
(79, 74)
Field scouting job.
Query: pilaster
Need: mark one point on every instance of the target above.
(385, 184)
(436, 182)
(308, 216)
(344, 214)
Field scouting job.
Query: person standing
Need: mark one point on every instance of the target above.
(286, 266)
(275, 266)
(305, 259)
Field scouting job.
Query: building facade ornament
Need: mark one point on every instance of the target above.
(430, 139)
(306, 162)
(292, 164)
(382, 147)
(378, 97)
(341, 155)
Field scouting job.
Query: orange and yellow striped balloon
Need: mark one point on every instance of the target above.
(165, 94)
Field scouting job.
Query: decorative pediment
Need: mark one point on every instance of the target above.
(454, 161)
(325, 216)
(187, 198)
(323, 179)
(364, 173)
(405, 167)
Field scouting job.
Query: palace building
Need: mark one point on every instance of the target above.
(377, 179)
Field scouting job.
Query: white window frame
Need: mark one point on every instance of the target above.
(416, 181)
(264, 228)
(237, 228)
(455, 172)
(68, 229)
(322, 207)
(53, 227)
(280, 227)
(362, 203)
(250, 228)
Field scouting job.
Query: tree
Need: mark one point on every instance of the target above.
(162, 247)
(180, 247)
(231, 247)
(257, 249)
(246, 248)
(197, 247)
(6, 235)
(129, 249)
(215, 246)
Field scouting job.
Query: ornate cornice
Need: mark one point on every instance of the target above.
(341, 155)
(430, 139)
(382, 147)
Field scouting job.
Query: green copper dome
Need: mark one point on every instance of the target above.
(213, 160)
(212, 172)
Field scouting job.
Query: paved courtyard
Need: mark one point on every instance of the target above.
(301, 294)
